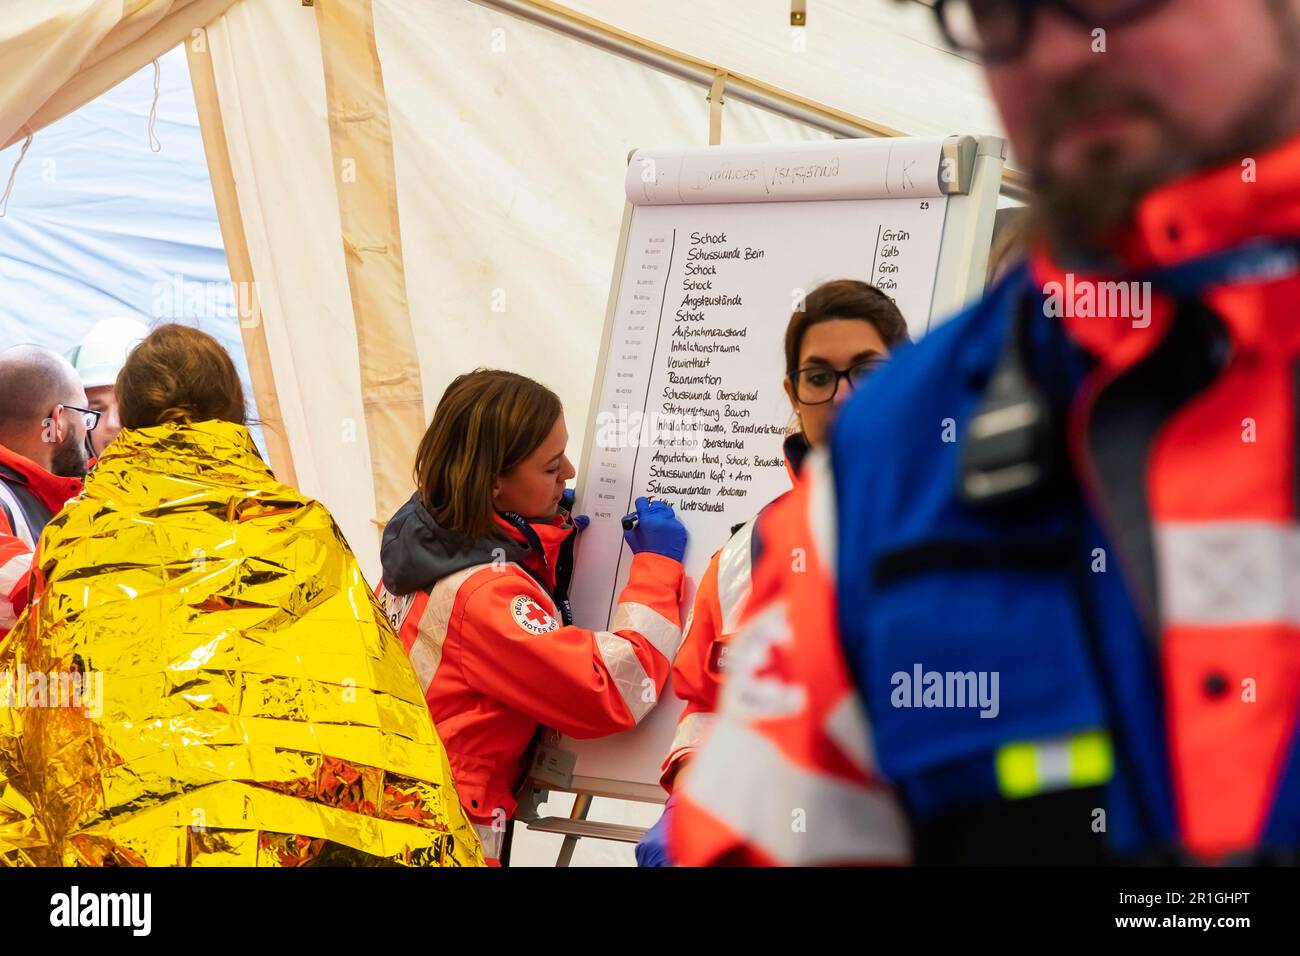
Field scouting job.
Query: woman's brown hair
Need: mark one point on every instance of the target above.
(844, 299)
(487, 422)
(179, 374)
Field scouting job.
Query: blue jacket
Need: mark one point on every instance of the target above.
(1029, 592)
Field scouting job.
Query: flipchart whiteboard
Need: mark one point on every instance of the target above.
(717, 248)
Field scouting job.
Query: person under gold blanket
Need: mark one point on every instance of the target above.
(203, 676)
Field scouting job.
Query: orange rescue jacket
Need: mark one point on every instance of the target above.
(485, 625)
(719, 600)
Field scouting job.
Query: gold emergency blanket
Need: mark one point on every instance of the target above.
(204, 678)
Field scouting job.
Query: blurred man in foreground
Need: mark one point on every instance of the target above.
(1058, 622)
(44, 421)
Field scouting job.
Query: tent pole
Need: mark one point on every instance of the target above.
(700, 72)
(251, 327)
(365, 180)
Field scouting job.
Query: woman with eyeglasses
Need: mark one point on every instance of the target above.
(845, 331)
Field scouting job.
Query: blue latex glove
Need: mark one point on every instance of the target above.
(658, 530)
(566, 502)
(653, 848)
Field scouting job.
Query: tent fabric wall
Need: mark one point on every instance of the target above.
(866, 57)
(60, 54)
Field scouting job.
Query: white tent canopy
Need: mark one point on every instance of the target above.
(415, 188)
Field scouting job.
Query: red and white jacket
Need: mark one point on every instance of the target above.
(29, 497)
(787, 776)
(702, 662)
(482, 622)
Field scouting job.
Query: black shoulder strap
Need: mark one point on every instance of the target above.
(564, 577)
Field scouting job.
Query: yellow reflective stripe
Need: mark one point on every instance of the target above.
(1026, 768)
(1091, 760)
(1017, 769)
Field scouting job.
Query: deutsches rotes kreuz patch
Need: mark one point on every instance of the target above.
(396, 608)
(531, 616)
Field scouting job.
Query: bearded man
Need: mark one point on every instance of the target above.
(44, 453)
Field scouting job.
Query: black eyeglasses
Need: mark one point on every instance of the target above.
(817, 384)
(88, 415)
(997, 30)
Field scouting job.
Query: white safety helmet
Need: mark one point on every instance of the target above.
(103, 351)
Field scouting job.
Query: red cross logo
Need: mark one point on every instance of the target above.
(531, 616)
(776, 664)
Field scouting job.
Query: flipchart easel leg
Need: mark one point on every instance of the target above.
(581, 807)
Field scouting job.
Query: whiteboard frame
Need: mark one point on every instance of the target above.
(968, 234)
(959, 279)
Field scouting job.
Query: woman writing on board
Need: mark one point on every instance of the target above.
(476, 578)
(845, 331)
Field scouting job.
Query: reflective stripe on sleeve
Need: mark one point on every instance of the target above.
(821, 508)
(425, 658)
(847, 726)
(431, 632)
(664, 636)
(21, 531)
(797, 817)
(634, 686)
(691, 730)
(493, 840)
(12, 572)
(735, 576)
